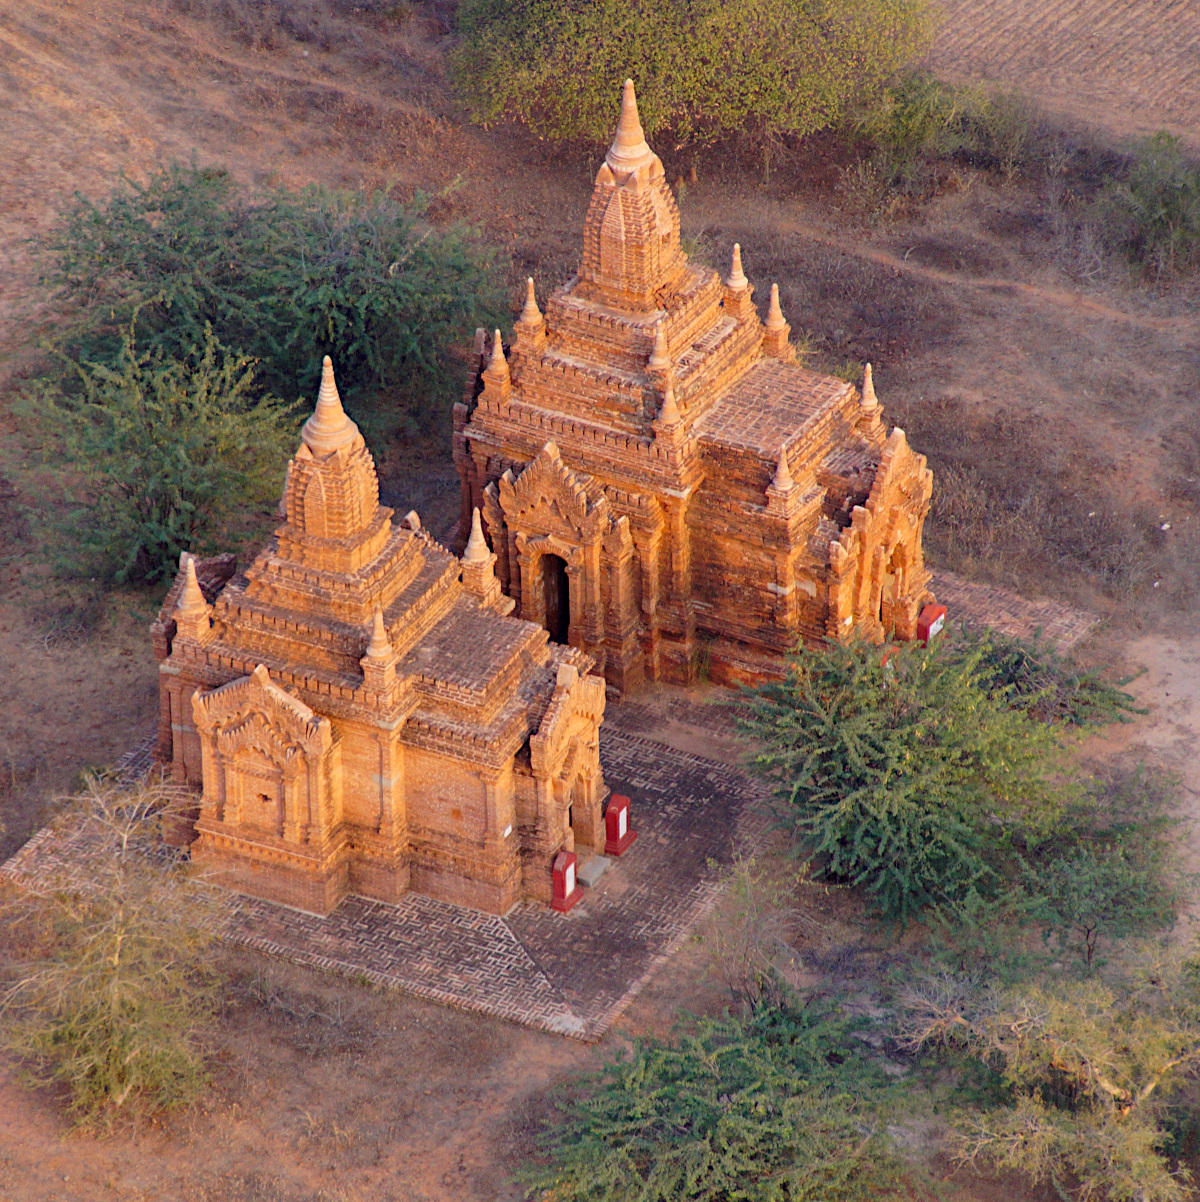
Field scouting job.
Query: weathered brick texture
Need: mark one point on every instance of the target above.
(708, 500)
(361, 713)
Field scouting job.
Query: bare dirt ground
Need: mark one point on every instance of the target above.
(1063, 412)
(1131, 67)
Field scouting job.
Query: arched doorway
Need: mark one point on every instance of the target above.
(557, 596)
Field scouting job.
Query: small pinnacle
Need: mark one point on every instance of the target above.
(329, 428)
(531, 315)
(774, 312)
(660, 359)
(629, 150)
(783, 474)
(191, 599)
(379, 647)
(477, 549)
(498, 364)
(869, 399)
(668, 414)
(737, 277)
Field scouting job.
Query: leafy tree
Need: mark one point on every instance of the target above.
(1090, 1070)
(704, 68)
(108, 988)
(284, 277)
(907, 776)
(771, 1108)
(163, 450)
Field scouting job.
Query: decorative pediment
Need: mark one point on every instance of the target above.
(253, 711)
(575, 711)
(549, 498)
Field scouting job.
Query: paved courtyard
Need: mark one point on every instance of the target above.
(574, 973)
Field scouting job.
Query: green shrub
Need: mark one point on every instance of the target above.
(775, 1107)
(704, 68)
(917, 122)
(1034, 676)
(108, 987)
(907, 777)
(1154, 213)
(284, 277)
(163, 451)
(1110, 870)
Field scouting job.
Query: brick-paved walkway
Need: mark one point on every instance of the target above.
(572, 974)
(984, 605)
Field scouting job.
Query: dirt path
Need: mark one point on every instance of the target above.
(1035, 294)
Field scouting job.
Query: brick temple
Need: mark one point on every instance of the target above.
(361, 712)
(664, 487)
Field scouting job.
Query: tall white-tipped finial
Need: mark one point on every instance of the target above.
(783, 474)
(191, 599)
(660, 358)
(668, 414)
(531, 315)
(477, 549)
(629, 150)
(329, 427)
(869, 399)
(774, 312)
(379, 647)
(737, 277)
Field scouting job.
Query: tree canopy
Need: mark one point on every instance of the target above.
(704, 68)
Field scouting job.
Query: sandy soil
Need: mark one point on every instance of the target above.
(987, 348)
(1131, 67)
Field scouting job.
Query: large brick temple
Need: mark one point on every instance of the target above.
(361, 712)
(663, 486)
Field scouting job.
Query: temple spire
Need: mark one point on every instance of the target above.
(531, 315)
(191, 599)
(774, 312)
(777, 331)
(479, 571)
(379, 648)
(329, 428)
(629, 150)
(870, 411)
(477, 549)
(737, 277)
(497, 380)
(783, 481)
(869, 399)
(668, 414)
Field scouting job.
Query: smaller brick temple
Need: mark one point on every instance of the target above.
(664, 487)
(361, 712)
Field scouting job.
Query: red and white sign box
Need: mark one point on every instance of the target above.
(564, 890)
(930, 622)
(618, 836)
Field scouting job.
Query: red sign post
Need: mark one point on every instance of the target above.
(618, 837)
(930, 622)
(564, 891)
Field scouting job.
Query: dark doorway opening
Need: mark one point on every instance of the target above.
(558, 597)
